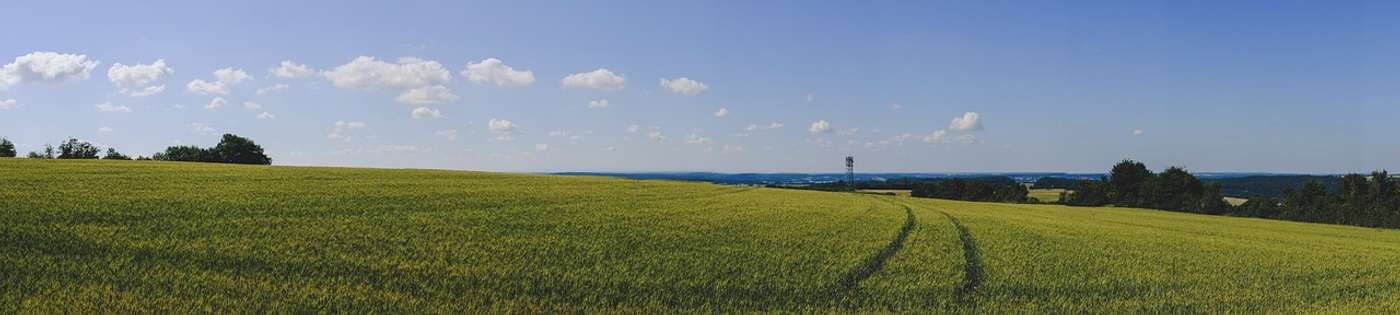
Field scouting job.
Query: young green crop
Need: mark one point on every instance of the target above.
(143, 236)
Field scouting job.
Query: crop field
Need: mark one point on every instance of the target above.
(140, 236)
(1046, 195)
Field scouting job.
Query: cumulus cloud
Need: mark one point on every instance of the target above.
(968, 121)
(505, 130)
(697, 139)
(109, 108)
(633, 128)
(449, 134)
(820, 126)
(685, 86)
(266, 116)
(722, 112)
(655, 135)
(273, 88)
(936, 137)
(49, 67)
(291, 70)
(343, 128)
(757, 127)
(426, 113)
(216, 103)
(600, 103)
(202, 129)
(8, 104)
(428, 95)
(1137, 132)
(600, 79)
(493, 71)
(224, 80)
(407, 73)
(139, 80)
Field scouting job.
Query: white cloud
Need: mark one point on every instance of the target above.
(273, 88)
(1137, 132)
(251, 105)
(266, 116)
(820, 126)
(494, 71)
(342, 130)
(601, 79)
(967, 139)
(757, 127)
(291, 70)
(655, 135)
(450, 134)
(936, 137)
(139, 80)
(408, 73)
(428, 95)
(697, 139)
(8, 104)
(732, 148)
(602, 103)
(216, 103)
(426, 113)
(968, 121)
(202, 129)
(231, 75)
(685, 86)
(541, 147)
(109, 108)
(104, 129)
(50, 67)
(722, 112)
(505, 130)
(224, 80)
(147, 91)
(633, 128)
(896, 107)
(847, 132)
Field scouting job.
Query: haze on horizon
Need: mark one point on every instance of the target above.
(784, 86)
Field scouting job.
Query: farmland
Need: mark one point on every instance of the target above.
(140, 236)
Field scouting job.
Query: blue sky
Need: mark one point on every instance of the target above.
(916, 86)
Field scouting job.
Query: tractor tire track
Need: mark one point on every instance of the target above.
(851, 280)
(972, 266)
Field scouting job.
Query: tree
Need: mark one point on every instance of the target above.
(48, 153)
(74, 149)
(186, 153)
(240, 150)
(7, 148)
(112, 154)
(1128, 183)
(1088, 193)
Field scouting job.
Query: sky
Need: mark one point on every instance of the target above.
(728, 86)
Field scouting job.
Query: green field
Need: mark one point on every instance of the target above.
(137, 236)
(1046, 195)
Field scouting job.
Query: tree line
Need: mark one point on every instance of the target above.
(1357, 200)
(973, 190)
(230, 149)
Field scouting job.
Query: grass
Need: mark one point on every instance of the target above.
(115, 236)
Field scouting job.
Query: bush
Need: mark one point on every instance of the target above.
(7, 148)
(112, 154)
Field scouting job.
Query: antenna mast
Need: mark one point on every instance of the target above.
(851, 172)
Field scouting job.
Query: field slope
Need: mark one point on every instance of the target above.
(126, 236)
